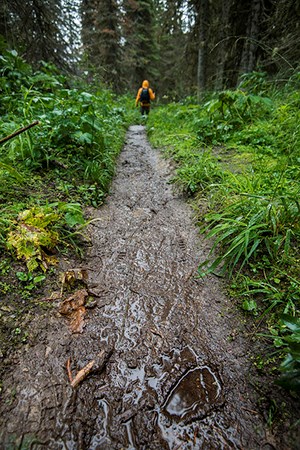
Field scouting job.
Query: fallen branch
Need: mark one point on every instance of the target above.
(82, 374)
(69, 370)
(98, 363)
(21, 130)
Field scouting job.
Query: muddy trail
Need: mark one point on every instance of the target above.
(166, 366)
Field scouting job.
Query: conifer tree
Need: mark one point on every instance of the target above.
(38, 27)
(140, 48)
(101, 39)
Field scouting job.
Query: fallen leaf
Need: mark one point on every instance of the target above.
(72, 275)
(73, 307)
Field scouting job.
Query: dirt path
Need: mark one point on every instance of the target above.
(177, 377)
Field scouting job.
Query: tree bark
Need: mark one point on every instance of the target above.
(249, 57)
(202, 46)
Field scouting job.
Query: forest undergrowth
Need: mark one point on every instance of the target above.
(48, 175)
(237, 156)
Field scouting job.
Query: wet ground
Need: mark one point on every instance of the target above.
(165, 364)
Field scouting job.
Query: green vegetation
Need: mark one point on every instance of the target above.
(238, 155)
(50, 171)
(48, 174)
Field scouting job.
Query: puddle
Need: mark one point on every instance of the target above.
(195, 393)
(192, 399)
(101, 439)
(130, 435)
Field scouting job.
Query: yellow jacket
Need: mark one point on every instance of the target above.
(145, 85)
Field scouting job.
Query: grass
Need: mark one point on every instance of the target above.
(240, 150)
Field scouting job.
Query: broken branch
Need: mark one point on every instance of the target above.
(99, 362)
(82, 374)
(21, 130)
(69, 370)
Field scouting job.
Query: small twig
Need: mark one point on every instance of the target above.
(249, 410)
(195, 435)
(21, 130)
(99, 362)
(69, 370)
(82, 374)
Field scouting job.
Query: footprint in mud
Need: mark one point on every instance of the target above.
(195, 394)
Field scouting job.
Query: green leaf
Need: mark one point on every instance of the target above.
(278, 342)
(39, 279)
(292, 323)
(22, 276)
(13, 172)
(249, 305)
(74, 218)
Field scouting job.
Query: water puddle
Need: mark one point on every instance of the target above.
(195, 393)
(186, 398)
(190, 402)
(101, 438)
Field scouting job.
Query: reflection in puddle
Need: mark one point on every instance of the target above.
(101, 439)
(134, 383)
(194, 391)
(130, 435)
(184, 413)
(192, 400)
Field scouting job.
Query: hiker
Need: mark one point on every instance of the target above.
(144, 97)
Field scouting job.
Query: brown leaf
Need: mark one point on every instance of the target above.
(73, 307)
(76, 320)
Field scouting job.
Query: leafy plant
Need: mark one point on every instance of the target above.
(12, 171)
(33, 238)
(290, 367)
(38, 231)
(253, 225)
(197, 172)
(30, 280)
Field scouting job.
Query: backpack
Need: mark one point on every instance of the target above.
(145, 96)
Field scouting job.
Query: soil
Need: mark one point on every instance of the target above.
(166, 356)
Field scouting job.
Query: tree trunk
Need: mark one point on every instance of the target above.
(221, 43)
(202, 46)
(249, 57)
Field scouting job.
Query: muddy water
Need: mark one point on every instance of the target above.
(176, 378)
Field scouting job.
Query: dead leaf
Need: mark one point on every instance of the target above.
(73, 307)
(76, 321)
(72, 275)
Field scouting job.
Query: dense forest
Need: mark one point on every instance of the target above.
(183, 47)
(226, 77)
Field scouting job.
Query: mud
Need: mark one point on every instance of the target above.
(177, 371)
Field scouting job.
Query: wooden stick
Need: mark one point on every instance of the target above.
(69, 370)
(82, 374)
(21, 130)
(249, 410)
(100, 361)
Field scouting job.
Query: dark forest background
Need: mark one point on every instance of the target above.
(182, 47)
